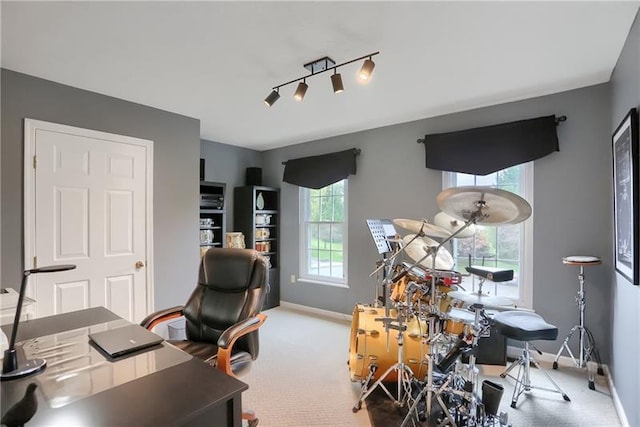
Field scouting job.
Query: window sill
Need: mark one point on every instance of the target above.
(322, 282)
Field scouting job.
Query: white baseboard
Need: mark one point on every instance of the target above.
(616, 399)
(317, 311)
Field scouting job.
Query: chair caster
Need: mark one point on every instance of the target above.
(357, 407)
(565, 397)
(592, 385)
(555, 365)
(600, 370)
(503, 375)
(253, 422)
(513, 405)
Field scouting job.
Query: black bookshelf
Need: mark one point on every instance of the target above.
(256, 211)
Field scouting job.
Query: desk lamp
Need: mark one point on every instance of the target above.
(11, 369)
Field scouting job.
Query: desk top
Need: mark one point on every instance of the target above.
(161, 386)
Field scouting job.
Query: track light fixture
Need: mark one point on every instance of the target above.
(273, 97)
(366, 70)
(336, 82)
(320, 66)
(301, 90)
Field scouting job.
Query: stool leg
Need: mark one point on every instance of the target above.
(523, 379)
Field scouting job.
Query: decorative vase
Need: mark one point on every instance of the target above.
(260, 201)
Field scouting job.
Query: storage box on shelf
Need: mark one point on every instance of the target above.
(212, 215)
(256, 215)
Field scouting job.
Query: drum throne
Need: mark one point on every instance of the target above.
(525, 326)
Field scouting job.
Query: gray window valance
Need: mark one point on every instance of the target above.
(484, 150)
(319, 171)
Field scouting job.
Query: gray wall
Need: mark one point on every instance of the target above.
(625, 328)
(176, 152)
(226, 163)
(571, 211)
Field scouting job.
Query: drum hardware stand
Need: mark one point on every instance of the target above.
(588, 348)
(433, 308)
(468, 391)
(404, 373)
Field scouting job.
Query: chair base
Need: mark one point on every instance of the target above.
(523, 379)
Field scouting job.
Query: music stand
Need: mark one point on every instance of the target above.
(11, 368)
(381, 231)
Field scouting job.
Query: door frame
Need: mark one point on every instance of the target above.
(31, 126)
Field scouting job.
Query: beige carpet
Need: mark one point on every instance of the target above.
(301, 378)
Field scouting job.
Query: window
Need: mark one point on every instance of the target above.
(323, 242)
(502, 246)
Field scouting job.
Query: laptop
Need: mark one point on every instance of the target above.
(125, 340)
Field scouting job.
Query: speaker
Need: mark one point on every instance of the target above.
(253, 176)
(201, 169)
(491, 350)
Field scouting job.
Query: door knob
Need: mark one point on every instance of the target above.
(139, 264)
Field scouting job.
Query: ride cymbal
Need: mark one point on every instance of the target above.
(451, 224)
(420, 247)
(415, 226)
(476, 298)
(484, 205)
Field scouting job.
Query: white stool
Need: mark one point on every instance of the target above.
(587, 347)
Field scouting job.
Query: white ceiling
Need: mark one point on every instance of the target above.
(217, 61)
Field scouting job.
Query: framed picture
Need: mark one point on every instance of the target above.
(625, 197)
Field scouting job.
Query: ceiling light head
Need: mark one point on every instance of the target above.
(366, 70)
(301, 91)
(336, 81)
(272, 98)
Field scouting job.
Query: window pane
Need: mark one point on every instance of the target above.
(313, 236)
(494, 246)
(490, 180)
(463, 179)
(323, 239)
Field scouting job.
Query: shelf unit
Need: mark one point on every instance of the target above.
(256, 215)
(213, 222)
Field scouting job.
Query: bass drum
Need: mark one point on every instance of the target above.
(368, 345)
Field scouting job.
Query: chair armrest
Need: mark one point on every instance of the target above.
(160, 316)
(229, 337)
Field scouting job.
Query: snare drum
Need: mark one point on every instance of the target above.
(368, 345)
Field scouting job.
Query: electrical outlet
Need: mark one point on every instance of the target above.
(293, 278)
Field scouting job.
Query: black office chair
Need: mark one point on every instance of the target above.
(525, 326)
(223, 312)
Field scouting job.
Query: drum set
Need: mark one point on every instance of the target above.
(416, 333)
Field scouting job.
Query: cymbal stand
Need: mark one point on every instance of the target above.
(433, 307)
(404, 373)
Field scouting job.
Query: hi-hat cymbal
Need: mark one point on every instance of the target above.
(420, 247)
(488, 205)
(476, 298)
(451, 224)
(415, 226)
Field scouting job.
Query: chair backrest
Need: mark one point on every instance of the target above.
(232, 286)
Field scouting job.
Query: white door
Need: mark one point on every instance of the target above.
(90, 207)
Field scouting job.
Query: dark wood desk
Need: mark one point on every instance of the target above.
(188, 393)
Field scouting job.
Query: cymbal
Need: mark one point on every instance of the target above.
(414, 226)
(420, 247)
(451, 224)
(489, 205)
(484, 299)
